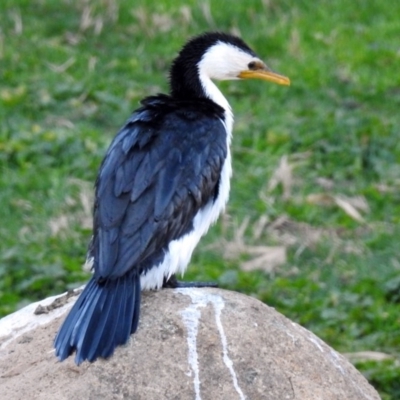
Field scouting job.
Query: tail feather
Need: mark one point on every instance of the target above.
(102, 318)
(129, 312)
(120, 331)
(107, 343)
(98, 326)
(135, 319)
(90, 312)
(123, 331)
(63, 341)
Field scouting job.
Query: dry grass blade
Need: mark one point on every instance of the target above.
(282, 175)
(260, 226)
(348, 208)
(58, 224)
(289, 232)
(18, 26)
(206, 10)
(325, 183)
(186, 14)
(96, 13)
(350, 205)
(63, 67)
(86, 18)
(321, 199)
(163, 22)
(1, 46)
(269, 259)
(359, 202)
(294, 43)
(266, 258)
(362, 356)
(98, 25)
(233, 248)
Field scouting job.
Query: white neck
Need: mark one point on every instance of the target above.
(214, 94)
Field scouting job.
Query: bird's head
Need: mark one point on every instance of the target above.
(219, 56)
(228, 57)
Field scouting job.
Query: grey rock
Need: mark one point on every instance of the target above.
(191, 344)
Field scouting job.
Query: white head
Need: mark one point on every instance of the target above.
(227, 61)
(223, 61)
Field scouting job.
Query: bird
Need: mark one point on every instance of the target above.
(164, 180)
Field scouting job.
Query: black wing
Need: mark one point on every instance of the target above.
(161, 168)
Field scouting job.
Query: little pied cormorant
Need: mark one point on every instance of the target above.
(164, 180)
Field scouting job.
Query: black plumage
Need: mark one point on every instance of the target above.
(154, 179)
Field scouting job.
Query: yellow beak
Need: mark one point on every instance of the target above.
(265, 75)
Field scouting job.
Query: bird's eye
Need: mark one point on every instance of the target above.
(252, 65)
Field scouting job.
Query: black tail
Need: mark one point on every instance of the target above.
(102, 318)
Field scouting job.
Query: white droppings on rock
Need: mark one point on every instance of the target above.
(333, 356)
(294, 340)
(218, 306)
(314, 340)
(336, 360)
(191, 317)
(200, 299)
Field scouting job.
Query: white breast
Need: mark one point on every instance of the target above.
(180, 251)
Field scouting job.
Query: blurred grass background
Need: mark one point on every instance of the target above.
(312, 227)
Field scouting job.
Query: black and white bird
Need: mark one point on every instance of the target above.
(164, 180)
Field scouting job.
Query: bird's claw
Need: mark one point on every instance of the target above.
(173, 283)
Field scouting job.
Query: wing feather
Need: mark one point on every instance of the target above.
(160, 170)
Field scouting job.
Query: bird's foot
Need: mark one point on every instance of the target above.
(173, 283)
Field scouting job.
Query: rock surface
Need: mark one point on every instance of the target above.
(191, 344)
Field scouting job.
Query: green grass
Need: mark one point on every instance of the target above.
(69, 82)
